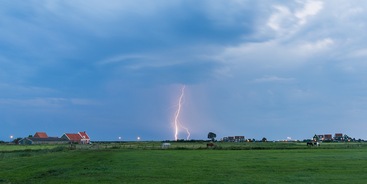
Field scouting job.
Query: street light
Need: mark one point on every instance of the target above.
(11, 138)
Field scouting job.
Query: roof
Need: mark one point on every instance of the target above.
(328, 136)
(73, 137)
(41, 135)
(239, 136)
(84, 135)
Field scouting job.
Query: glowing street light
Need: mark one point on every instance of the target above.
(11, 138)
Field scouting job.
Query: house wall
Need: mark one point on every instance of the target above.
(50, 142)
(85, 141)
(328, 137)
(64, 137)
(25, 142)
(234, 139)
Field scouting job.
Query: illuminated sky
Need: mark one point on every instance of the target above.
(273, 69)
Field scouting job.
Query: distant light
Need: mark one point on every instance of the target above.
(138, 138)
(119, 138)
(11, 137)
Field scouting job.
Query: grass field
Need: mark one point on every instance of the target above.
(185, 163)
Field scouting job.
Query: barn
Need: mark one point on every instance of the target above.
(42, 138)
(38, 140)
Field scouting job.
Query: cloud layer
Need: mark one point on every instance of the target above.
(255, 68)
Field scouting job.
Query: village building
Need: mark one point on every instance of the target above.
(48, 140)
(43, 138)
(328, 137)
(234, 139)
(80, 137)
(239, 138)
(338, 137)
(321, 137)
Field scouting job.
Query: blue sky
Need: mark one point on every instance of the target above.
(115, 68)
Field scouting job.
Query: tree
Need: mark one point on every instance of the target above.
(264, 139)
(16, 141)
(212, 136)
(346, 137)
(316, 138)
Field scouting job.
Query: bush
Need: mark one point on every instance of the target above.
(58, 148)
(115, 147)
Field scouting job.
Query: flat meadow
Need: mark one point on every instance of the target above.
(146, 162)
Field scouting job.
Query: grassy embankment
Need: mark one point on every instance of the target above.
(187, 163)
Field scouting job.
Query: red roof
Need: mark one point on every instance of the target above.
(328, 136)
(84, 135)
(41, 135)
(73, 137)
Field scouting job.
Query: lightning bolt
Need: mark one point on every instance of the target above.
(177, 115)
(187, 131)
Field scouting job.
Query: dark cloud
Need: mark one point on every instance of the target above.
(258, 66)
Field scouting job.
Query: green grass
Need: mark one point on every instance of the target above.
(227, 145)
(337, 163)
(11, 147)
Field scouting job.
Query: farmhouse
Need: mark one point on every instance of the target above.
(239, 138)
(328, 137)
(321, 137)
(38, 140)
(338, 137)
(234, 139)
(42, 138)
(80, 137)
(227, 139)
